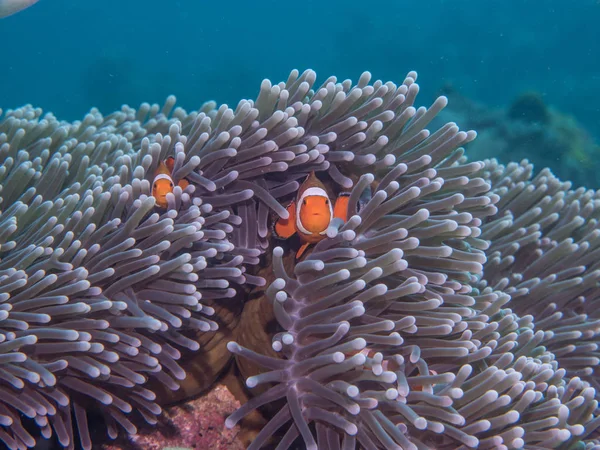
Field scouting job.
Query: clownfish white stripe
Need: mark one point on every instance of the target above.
(311, 192)
(163, 176)
(300, 226)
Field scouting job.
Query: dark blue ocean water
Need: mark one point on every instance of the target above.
(69, 55)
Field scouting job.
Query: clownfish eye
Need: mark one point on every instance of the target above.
(327, 201)
(170, 184)
(304, 202)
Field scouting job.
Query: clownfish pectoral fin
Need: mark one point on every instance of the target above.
(286, 228)
(170, 163)
(302, 249)
(340, 210)
(183, 183)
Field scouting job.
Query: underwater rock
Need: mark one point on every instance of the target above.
(529, 107)
(528, 128)
(196, 424)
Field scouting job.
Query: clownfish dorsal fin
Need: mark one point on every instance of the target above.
(170, 163)
(162, 169)
(286, 228)
(311, 181)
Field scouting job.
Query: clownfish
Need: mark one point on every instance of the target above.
(163, 182)
(311, 213)
(10, 7)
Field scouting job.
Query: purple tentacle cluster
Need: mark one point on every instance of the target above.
(451, 364)
(454, 309)
(96, 285)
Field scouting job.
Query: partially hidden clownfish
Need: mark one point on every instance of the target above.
(163, 182)
(311, 213)
(420, 387)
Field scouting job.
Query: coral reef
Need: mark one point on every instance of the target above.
(529, 107)
(528, 128)
(454, 308)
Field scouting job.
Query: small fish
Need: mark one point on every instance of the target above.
(10, 7)
(311, 213)
(163, 182)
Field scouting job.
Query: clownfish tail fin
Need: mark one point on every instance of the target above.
(170, 163)
(286, 228)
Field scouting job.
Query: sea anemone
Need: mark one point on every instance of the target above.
(96, 283)
(391, 335)
(397, 331)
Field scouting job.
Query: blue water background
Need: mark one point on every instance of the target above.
(69, 55)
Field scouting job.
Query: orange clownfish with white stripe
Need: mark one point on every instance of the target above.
(163, 182)
(311, 213)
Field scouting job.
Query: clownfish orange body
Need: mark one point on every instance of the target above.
(310, 214)
(163, 182)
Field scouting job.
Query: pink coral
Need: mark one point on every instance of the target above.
(198, 424)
